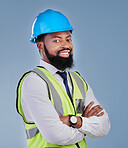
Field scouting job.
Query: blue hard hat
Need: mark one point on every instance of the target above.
(49, 21)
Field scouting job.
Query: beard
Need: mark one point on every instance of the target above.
(60, 62)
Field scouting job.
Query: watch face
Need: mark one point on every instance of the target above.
(73, 119)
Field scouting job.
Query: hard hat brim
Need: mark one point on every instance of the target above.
(32, 39)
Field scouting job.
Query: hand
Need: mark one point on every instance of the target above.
(94, 111)
(65, 120)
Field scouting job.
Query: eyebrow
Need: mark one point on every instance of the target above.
(68, 36)
(61, 37)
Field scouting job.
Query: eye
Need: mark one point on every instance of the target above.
(56, 41)
(69, 40)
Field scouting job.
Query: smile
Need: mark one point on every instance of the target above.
(64, 53)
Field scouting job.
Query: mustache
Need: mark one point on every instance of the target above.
(63, 50)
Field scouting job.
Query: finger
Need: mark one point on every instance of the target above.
(88, 108)
(101, 114)
(94, 111)
(97, 111)
(95, 107)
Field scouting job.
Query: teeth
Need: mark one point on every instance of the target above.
(65, 53)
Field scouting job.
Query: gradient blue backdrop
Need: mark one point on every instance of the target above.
(100, 52)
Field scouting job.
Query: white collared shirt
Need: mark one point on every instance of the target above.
(38, 108)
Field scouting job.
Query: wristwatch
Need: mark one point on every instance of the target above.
(72, 120)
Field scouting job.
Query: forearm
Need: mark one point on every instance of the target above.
(94, 123)
(55, 132)
(95, 126)
(95, 119)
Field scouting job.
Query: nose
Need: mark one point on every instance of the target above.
(64, 44)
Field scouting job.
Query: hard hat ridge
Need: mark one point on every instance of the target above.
(49, 21)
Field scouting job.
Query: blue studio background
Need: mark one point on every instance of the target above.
(100, 52)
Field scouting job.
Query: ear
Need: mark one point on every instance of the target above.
(40, 46)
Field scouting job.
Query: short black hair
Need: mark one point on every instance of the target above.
(40, 38)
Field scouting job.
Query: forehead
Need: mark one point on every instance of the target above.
(62, 34)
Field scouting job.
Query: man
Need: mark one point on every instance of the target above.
(58, 107)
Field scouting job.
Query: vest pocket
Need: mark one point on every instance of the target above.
(80, 106)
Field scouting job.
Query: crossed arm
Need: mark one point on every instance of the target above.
(39, 109)
(88, 112)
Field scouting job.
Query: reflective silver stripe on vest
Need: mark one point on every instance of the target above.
(31, 132)
(55, 95)
(79, 102)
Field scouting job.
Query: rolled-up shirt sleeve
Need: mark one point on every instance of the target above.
(95, 126)
(38, 108)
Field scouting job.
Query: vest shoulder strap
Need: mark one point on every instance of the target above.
(81, 78)
(55, 95)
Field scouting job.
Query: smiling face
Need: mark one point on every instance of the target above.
(57, 47)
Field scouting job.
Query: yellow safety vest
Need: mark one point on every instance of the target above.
(61, 103)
